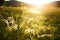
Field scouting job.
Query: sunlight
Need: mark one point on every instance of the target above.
(29, 31)
(37, 2)
(34, 10)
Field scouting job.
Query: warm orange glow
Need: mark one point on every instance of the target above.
(34, 10)
(37, 2)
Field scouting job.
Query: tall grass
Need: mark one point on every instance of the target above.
(17, 23)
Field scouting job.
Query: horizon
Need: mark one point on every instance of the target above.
(35, 2)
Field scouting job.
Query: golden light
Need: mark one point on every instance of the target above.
(34, 10)
(37, 2)
(37, 5)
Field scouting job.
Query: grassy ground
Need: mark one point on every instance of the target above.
(17, 23)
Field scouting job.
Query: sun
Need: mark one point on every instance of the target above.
(37, 2)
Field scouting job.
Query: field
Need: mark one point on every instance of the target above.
(21, 23)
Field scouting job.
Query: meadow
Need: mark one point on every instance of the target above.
(17, 23)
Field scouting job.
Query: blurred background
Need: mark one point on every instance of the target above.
(24, 20)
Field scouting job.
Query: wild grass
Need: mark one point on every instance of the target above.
(17, 23)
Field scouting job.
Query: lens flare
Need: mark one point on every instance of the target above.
(37, 2)
(34, 10)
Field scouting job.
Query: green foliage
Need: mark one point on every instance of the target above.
(10, 19)
(20, 24)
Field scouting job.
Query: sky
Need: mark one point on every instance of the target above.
(36, 2)
(30, 0)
